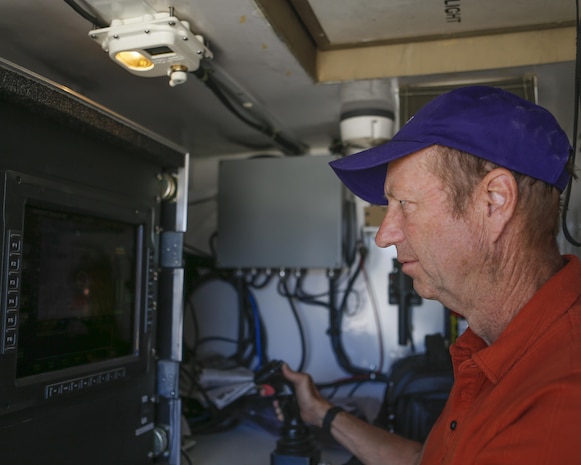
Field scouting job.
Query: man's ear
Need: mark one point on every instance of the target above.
(500, 196)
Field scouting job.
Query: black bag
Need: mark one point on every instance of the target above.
(417, 391)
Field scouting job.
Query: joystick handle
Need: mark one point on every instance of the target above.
(295, 438)
(271, 374)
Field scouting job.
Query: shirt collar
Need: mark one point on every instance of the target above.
(547, 305)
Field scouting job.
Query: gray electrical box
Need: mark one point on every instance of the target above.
(278, 212)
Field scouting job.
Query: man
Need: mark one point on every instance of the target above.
(472, 185)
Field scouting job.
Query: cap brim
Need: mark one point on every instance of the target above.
(364, 172)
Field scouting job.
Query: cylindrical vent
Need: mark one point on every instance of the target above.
(367, 115)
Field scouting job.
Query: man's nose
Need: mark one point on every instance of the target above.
(390, 232)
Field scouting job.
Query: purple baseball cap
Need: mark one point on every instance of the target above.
(486, 122)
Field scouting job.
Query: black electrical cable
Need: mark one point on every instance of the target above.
(218, 420)
(336, 312)
(190, 306)
(577, 96)
(335, 324)
(301, 294)
(351, 282)
(205, 340)
(257, 336)
(255, 284)
(187, 457)
(246, 324)
(242, 345)
(283, 284)
(334, 331)
(354, 389)
(195, 251)
(206, 75)
(309, 301)
(246, 341)
(349, 231)
(212, 198)
(259, 331)
(200, 282)
(303, 297)
(212, 243)
(85, 14)
(355, 379)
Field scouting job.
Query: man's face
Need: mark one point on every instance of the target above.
(437, 249)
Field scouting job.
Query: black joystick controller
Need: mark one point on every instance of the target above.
(296, 445)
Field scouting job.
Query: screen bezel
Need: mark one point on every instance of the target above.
(20, 190)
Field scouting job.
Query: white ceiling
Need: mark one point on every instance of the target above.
(289, 58)
(374, 21)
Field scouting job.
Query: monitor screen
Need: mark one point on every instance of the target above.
(78, 290)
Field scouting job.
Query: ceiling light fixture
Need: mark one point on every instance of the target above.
(153, 45)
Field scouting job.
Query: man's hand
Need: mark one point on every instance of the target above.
(312, 404)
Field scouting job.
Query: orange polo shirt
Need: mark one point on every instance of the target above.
(518, 401)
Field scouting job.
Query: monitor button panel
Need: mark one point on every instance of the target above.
(63, 388)
(11, 304)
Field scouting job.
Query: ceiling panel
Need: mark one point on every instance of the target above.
(334, 24)
(266, 52)
(267, 82)
(369, 39)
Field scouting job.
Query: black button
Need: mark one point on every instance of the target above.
(13, 281)
(14, 263)
(15, 242)
(12, 300)
(10, 319)
(453, 425)
(9, 339)
(52, 391)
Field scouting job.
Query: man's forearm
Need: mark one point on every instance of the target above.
(372, 445)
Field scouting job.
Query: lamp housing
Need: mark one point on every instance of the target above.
(153, 45)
